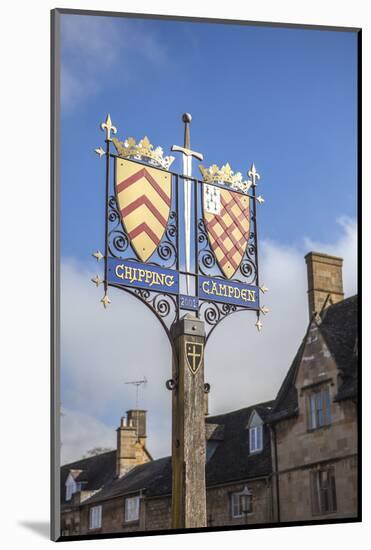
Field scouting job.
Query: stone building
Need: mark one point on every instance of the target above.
(314, 418)
(294, 457)
(107, 498)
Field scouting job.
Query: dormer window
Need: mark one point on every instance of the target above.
(71, 487)
(255, 433)
(211, 447)
(256, 439)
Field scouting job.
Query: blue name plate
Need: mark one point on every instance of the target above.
(228, 292)
(137, 275)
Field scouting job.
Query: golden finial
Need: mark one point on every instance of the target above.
(260, 199)
(108, 127)
(98, 255)
(264, 310)
(97, 280)
(253, 174)
(105, 301)
(100, 151)
(264, 289)
(259, 325)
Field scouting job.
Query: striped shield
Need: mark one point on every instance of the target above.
(144, 198)
(227, 219)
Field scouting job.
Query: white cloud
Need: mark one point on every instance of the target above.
(82, 432)
(100, 52)
(251, 366)
(101, 349)
(90, 47)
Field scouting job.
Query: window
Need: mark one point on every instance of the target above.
(319, 409)
(255, 427)
(95, 517)
(211, 447)
(256, 439)
(323, 491)
(71, 487)
(132, 509)
(238, 508)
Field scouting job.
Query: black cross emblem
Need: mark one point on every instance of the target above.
(194, 354)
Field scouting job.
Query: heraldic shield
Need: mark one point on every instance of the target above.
(194, 353)
(144, 199)
(227, 219)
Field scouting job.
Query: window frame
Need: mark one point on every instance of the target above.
(319, 408)
(126, 500)
(98, 519)
(323, 491)
(72, 487)
(253, 437)
(211, 447)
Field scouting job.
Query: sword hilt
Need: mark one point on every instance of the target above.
(186, 149)
(188, 152)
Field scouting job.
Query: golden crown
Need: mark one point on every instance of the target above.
(226, 176)
(144, 150)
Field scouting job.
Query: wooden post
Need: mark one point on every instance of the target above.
(188, 430)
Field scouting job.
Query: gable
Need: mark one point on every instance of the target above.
(316, 363)
(254, 420)
(339, 328)
(335, 335)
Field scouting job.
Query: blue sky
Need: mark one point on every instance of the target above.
(282, 98)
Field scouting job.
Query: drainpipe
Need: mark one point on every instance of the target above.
(273, 427)
(142, 510)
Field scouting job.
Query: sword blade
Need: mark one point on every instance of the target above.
(187, 171)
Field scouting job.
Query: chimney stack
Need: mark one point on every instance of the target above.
(126, 452)
(131, 442)
(324, 279)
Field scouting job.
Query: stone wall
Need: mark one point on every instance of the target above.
(113, 518)
(295, 492)
(70, 522)
(157, 514)
(219, 503)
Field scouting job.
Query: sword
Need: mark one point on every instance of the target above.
(187, 154)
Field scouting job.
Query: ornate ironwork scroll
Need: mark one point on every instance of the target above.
(164, 306)
(213, 313)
